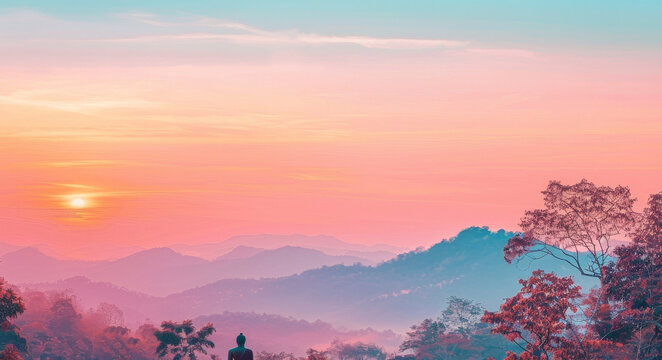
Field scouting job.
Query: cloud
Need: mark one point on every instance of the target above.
(83, 163)
(44, 100)
(245, 34)
(516, 53)
(145, 18)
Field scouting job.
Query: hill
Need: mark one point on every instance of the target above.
(324, 243)
(392, 295)
(162, 271)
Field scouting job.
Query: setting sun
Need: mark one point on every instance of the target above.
(78, 203)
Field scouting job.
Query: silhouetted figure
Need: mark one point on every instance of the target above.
(240, 352)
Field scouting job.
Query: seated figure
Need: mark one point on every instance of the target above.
(240, 352)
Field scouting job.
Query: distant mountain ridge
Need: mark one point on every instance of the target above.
(391, 295)
(210, 251)
(324, 243)
(163, 271)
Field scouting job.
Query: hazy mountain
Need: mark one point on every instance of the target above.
(283, 261)
(240, 252)
(30, 265)
(392, 295)
(158, 271)
(162, 271)
(7, 248)
(325, 243)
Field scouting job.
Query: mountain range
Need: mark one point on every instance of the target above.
(324, 243)
(392, 295)
(162, 271)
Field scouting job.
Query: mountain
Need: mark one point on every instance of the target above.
(392, 295)
(30, 265)
(280, 262)
(240, 252)
(7, 248)
(325, 243)
(157, 271)
(163, 271)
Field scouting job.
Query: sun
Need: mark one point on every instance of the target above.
(78, 203)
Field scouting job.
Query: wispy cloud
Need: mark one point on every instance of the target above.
(43, 100)
(245, 34)
(82, 163)
(145, 18)
(517, 53)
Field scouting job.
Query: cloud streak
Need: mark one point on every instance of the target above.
(36, 99)
(240, 33)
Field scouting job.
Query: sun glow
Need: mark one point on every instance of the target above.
(78, 203)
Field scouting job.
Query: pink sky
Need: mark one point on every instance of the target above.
(401, 145)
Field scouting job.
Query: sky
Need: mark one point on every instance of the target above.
(149, 123)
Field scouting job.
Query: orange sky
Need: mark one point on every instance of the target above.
(401, 146)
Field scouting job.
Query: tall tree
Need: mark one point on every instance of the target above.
(423, 336)
(577, 226)
(456, 334)
(537, 319)
(634, 280)
(461, 316)
(11, 306)
(182, 341)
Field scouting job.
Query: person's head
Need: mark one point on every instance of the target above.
(241, 339)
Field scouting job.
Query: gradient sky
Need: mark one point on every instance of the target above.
(395, 122)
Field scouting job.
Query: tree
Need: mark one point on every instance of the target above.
(11, 306)
(423, 336)
(634, 280)
(265, 355)
(182, 340)
(10, 353)
(312, 354)
(108, 314)
(456, 334)
(536, 318)
(356, 351)
(116, 342)
(577, 226)
(461, 316)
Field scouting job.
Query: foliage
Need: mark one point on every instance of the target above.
(536, 317)
(265, 355)
(312, 354)
(11, 306)
(10, 352)
(456, 334)
(622, 319)
(356, 351)
(182, 340)
(577, 219)
(635, 282)
(461, 316)
(55, 329)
